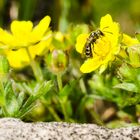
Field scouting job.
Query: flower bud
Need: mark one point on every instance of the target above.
(57, 61)
(38, 112)
(134, 56)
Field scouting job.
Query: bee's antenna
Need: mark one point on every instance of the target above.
(105, 27)
(92, 25)
(107, 31)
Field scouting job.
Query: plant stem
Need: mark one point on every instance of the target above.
(35, 67)
(2, 99)
(60, 86)
(54, 114)
(82, 86)
(96, 117)
(51, 109)
(64, 111)
(59, 81)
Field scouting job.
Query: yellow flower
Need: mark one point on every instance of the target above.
(133, 50)
(105, 48)
(23, 36)
(19, 58)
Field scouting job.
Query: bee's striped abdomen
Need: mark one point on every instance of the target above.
(88, 51)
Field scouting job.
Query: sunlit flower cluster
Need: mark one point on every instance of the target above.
(24, 42)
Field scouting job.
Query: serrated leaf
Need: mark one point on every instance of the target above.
(11, 101)
(29, 104)
(20, 98)
(127, 86)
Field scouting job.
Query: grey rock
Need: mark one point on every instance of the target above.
(14, 129)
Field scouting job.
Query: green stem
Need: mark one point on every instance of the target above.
(59, 81)
(82, 86)
(51, 109)
(53, 113)
(60, 86)
(64, 111)
(96, 117)
(35, 67)
(2, 98)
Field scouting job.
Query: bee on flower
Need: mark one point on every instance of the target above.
(100, 46)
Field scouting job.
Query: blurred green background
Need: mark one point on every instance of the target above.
(64, 12)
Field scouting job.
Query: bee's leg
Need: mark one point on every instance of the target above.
(109, 32)
(95, 52)
(92, 48)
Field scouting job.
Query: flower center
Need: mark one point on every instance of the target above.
(101, 47)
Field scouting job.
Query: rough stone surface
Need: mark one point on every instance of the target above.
(14, 129)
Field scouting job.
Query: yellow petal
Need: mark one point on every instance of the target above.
(21, 33)
(41, 47)
(90, 65)
(21, 28)
(18, 59)
(80, 42)
(41, 28)
(6, 38)
(105, 22)
(102, 68)
(110, 28)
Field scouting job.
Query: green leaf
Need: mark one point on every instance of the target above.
(134, 56)
(2, 96)
(26, 88)
(68, 108)
(127, 86)
(63, 94)
(138, 36)
(85, 103)
(29, 104)
(11, 104)
(58, 44)
(20, 98)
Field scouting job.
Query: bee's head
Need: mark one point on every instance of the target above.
(100, 33)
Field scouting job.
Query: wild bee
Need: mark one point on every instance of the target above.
(87, 50)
